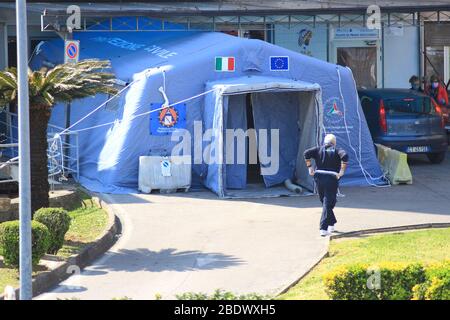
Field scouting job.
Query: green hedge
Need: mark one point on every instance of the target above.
(9, 242)
(388, 281)
(437, 284)
(57, 221)
(220, 295)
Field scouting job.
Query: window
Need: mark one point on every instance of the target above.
(409, 105)
(437, 37)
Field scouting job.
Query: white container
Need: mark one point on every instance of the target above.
(164, 173)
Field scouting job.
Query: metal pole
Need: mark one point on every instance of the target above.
(26, 292)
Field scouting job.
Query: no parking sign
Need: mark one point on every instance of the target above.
(71, 51)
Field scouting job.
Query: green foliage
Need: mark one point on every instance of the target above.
(9, 242)
(220, 295)
(158, 296)
(57, 221)
(387, 281)
(437, 284)
(63, 83)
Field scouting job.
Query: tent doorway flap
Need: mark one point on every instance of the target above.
(286, 118)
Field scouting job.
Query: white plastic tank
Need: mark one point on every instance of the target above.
(164, 173)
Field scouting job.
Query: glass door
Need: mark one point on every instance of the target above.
(363, 63)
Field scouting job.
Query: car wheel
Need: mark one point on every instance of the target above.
(436, 158)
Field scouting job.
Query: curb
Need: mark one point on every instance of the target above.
(49, 279)
(353, 234)
(293, 284)
(390, 229)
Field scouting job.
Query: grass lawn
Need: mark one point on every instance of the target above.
(88, 223)
(415, 246)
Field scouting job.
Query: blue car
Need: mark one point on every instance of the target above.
(406, 120)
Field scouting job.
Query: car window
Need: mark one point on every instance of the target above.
(409, 105)
(366, 103)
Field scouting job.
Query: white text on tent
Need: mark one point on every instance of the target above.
(208, 143)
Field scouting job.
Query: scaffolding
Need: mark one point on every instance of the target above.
(62, 152)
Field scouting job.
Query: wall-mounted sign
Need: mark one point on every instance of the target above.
(304, 41)
(165, 121)
(71, 51)
(356, 33)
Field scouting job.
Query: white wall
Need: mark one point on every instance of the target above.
(401, 56)
(288, 38)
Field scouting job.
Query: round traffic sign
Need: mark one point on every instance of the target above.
(72, 50)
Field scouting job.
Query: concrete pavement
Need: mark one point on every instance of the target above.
(195, 242)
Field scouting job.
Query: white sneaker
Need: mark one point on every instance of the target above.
(330, 229)
(324, 233)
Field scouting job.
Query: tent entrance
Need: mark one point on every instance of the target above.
(262, 126)
(277, 123)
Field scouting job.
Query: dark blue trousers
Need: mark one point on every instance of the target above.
(327, 186)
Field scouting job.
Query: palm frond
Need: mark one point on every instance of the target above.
(64, 83)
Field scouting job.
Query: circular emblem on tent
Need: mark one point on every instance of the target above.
(334, 112)
(168, 117)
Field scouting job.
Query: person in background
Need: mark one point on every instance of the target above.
(437, 91)
(330, 163)
(415, 83)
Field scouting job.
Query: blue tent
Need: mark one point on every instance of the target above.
(210, 78)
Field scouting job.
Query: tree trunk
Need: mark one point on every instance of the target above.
(39, 117)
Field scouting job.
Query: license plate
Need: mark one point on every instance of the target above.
(418, 149)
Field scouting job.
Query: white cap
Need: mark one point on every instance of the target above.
(330, 139)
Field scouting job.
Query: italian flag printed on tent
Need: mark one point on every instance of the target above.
(225, 64)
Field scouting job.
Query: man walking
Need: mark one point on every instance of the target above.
(330, 163)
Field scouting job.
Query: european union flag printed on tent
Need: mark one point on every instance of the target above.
(279, 63)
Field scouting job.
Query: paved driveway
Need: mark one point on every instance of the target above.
(196, 242)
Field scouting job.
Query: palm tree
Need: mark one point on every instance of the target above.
(63, 83)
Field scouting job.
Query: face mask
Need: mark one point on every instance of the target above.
(415, 86)
(435, 85)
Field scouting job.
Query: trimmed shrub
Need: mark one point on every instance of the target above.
(57, 221)
(437, 284)
(349, 283)
(439, 289)
(9, 242)
(220, 295)
(387, 281)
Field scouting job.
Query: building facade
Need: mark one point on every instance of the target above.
(383, 45)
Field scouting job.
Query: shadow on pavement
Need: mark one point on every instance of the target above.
(164, 260)
(62, 288)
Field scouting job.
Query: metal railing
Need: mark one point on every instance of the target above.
(62, 153)
(118, 21)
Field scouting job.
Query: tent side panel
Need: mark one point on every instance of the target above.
(309, 134)
(235, 152)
